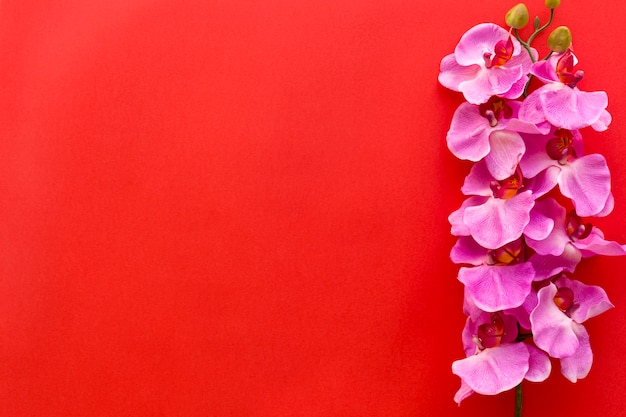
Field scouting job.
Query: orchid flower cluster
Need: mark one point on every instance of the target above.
(524, 226)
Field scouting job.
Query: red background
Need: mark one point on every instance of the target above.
(239, 208)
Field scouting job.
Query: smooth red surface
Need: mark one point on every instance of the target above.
(238, 208)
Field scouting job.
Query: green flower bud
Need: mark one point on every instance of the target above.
(560, 39)
(552, 4)
(517, 17)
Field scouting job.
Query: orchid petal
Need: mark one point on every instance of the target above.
(571, 108)
(478, 41)
(539, 365)
(498, 222)
(494, 369)
(578, 365)
(456, 217)
(468, 137)
(494, 288)
(552, 329)
(587, 181)
(543, 182)
(467, 251)
(603, 122)
(478, 181)
(547, 266)
(452, 74)
(507, 148)
(589, 300)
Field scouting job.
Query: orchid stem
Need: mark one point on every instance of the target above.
(518, 400)
(526, 44)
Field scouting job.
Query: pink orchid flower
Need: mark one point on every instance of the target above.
(560, 102)
(585, 179)
(497, 212)
(557, 320)
(495, 362)
(487, 62)
(490, 131)
(571, 237)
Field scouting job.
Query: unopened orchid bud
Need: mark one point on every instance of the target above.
(560, 39)
(517, 17)
(552, 4)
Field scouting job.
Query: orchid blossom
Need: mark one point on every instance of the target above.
(517, 240)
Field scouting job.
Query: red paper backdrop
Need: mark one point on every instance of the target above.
(238, 208)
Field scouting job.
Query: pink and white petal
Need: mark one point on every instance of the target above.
(456, 217)
(552, 329)
(521, 126)
(478, 181)
(542, 219)
(547, 266)
(494, 288)
(468, 137)
(467, 251)
(532, 109)
(603, 122)
(578, 365)
(507, 148)
(522, 313)
(589, 300)
(478, 41)
(475, 314)
(463, 392)
(498, 222)
(595, 244)
(544, 182)
(571, 108)
(490, 82)
(452, 74)
(546, 70)
(553, 244)
(494, 370)
(587, 181)
(539, 365)
(516, 89)
(536, 158)
(608, 207)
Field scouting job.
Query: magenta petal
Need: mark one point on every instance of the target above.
(478, 181)
(494, 370)
(463, 392)
(467, 251)
(536, 158)
(498, 222)
(587, 181)
(552, 329)
(507, 149)
(571, 108)
(594, 244)
(496, 288)
(532, 110)
(452, 74)
(589, 300)
(539, 365)
(578, 365)
(456, 217)
(478, 41)
(545, 70)
(555, 242)
(608, 207)
(488, 83)
(468, 137)
(541, 221)
(543, 182)
(603, 122)
(547, 266)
